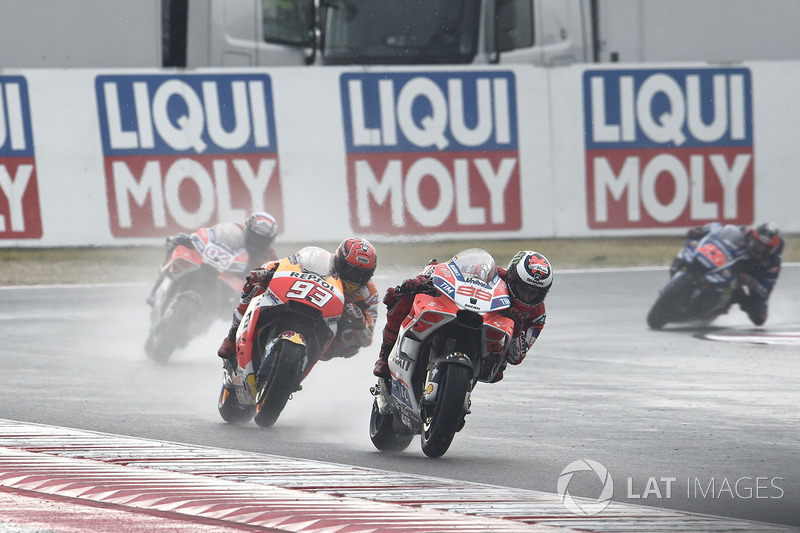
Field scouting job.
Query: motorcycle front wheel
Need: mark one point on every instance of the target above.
(282, 379)
(667, 307)
(444, 418)
(172, 329)
(382, 434)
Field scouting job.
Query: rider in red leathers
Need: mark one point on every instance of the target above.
(255, 237)
(529, 277)
(354, 262)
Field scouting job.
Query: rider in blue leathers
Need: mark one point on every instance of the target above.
(756, 273)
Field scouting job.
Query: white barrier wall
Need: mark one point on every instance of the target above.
(90, 157)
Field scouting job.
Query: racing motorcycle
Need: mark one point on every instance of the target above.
(705, 286)
(200, 281)
(453, 337)
(282, 335)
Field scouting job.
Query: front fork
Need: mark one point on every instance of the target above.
(436, 370)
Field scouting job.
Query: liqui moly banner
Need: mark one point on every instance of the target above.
(186, 151)
(668, 148)
(432, 152)
(20, 212)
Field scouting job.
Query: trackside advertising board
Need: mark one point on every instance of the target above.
(432, 151)
(183, 152)
(20, 215)
(124, 157)
(668, 148)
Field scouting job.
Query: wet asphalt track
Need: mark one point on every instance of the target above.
(716, 423)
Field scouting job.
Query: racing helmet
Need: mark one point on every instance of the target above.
(260, 230)
(763, 240)
(355, 261)
(529, 278)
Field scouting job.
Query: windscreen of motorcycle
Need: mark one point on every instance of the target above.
(471, 280)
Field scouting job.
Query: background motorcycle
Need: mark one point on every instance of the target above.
(450, 341)
(200, 282)
(283, 334)
(704, 288)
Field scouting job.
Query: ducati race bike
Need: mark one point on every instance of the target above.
(282, 335)
(705, 286)
(199, 283)
(453, 338)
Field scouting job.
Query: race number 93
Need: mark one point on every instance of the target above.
(306, 290)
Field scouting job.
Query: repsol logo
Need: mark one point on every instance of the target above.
(668, 147)
(20, 214)
(432, 151)
(187, 151)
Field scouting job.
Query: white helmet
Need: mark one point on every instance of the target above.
(260, 230)
(529, 278)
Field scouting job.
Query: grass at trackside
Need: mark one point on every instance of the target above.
(25, 266)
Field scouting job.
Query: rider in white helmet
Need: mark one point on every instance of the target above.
(529, 277)
(255, 236)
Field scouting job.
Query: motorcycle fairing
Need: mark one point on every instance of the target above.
(218, 255)
(471, 292)
(718, 253)
(290, 283)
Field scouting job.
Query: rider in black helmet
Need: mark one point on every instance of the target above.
(757, 273)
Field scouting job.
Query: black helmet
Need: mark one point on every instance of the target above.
(260, 230)
(763, 240)
(529, 278)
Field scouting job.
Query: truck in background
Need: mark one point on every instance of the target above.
(238, 33)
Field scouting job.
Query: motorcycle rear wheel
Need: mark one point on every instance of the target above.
(282, 380)
(447, 413)
(382, 434)
(231, 410)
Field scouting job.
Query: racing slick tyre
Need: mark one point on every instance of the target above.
(445, 417)
(229, 408)
(667, 307)
(382, 434)
(282, 379)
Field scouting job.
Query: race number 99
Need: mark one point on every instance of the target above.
(306, 290)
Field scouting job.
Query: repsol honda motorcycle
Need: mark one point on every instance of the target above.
(282, 335)
(705, 286)
(453, 338)
(199, 283)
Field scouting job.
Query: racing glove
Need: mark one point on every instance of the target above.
(179, 239)
(696, 233)
(354, 316)
(416, 285)
(262, 276)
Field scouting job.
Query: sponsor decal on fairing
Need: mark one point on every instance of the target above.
(20, 212)
(187, 151)
(431, 151)
(668, 147)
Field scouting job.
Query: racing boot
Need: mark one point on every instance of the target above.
(227, 351)
(381, 368)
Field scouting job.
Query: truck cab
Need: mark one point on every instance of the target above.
(539, 32)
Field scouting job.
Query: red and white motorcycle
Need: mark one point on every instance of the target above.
(449, 342)
(283, 334)
(199, 283)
